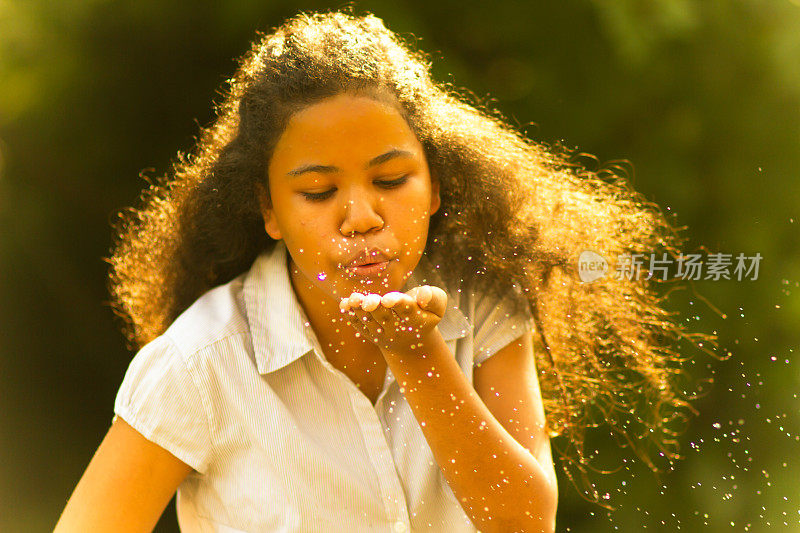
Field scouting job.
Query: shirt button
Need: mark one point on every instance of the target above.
(399, 527)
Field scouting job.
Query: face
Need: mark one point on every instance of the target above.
(347, 176)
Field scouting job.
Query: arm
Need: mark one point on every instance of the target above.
(508, 385)
(126, 486)
(501, 483)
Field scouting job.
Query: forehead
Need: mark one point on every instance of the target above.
(342, 129)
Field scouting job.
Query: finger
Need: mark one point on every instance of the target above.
(372, 329)
(361, 316)
(424, 295)
(407, 302)
(357, 299)
(386, 318)
(358, 320)
(390, 299)
(438, 302)
(354, 300)
(351, 307)
(371, 302)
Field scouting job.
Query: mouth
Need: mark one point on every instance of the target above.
(369, 269)
(368, 262)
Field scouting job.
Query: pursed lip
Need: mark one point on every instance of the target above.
(367, 257)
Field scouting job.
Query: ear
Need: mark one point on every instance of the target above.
(436, 201)
(267, 213)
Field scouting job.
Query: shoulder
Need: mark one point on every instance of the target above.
(498, 318)
(217, 316)
(172, 379)
(495, 305)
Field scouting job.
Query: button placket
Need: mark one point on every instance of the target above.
(387, 380)
(392, 495)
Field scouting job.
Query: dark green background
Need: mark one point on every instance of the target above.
(702, 97)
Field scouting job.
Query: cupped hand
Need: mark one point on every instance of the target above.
(397, 321)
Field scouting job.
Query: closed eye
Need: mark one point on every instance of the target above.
(384, 184)
(391, 184)
(317, 196)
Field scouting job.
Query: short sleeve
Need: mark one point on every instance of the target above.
(159, 398)
(496, 324)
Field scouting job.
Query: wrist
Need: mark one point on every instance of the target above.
(420, 351)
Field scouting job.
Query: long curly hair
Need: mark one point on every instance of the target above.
(515, 214)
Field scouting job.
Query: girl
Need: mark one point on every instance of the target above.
(334, 302)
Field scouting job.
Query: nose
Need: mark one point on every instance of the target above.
(361, 213)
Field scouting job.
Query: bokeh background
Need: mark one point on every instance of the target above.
(702, 97)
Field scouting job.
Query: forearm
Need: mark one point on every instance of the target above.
(498, 483)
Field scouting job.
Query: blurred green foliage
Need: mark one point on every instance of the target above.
(701, 97)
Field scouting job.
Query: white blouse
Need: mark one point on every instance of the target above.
(280, 440)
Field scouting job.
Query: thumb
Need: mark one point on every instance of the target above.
(432, 299)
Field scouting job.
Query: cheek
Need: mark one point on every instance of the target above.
(302, 217)
(416, 202)
(311, 226)
(417, 213)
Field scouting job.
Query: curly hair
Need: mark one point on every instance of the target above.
(514, 214)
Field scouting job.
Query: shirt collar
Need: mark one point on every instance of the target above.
(278, 325)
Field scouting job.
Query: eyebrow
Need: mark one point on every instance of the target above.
(329, 169)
